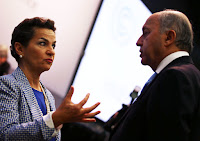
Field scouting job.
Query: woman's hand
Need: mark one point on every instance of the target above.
(70, 112)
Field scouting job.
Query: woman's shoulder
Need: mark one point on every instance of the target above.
(12, 78)
(8, 83)
(7, 78)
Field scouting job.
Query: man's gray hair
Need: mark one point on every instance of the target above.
(177, 21)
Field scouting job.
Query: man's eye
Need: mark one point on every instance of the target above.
(145, 33)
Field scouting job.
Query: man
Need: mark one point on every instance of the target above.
(168, 108)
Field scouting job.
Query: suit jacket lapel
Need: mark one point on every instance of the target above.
(147, 87)
(28, 92)
(135, 102)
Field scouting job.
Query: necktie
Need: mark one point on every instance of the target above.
(146, 84)
(150, 80)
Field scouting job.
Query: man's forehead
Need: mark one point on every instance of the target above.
(153, 20)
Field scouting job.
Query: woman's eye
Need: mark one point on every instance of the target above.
(54, 45)
(42, 43)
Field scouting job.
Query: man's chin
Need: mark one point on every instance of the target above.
(143, 62)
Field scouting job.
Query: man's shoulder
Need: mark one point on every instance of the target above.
(182, 73)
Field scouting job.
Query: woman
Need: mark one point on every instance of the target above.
(27, 108)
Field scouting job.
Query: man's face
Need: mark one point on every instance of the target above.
(151, 42)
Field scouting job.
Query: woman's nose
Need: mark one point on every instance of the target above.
(51, 51)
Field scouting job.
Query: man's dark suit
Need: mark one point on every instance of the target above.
(166, 110)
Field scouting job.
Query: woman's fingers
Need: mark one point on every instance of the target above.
(89, 109)
(70, 93)
(88, 120)
(84, 100)
(89, 115)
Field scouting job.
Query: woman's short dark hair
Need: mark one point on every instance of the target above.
(24, 32)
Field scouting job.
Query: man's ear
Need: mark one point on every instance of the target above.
(19, 48)
(170, 37)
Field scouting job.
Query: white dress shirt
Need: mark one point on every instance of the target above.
(169, 59)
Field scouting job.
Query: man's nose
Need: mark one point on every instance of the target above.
(139, 41)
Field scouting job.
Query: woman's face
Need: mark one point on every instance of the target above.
(38, 56)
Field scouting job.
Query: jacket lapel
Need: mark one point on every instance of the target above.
(28, 93)
(146, 88)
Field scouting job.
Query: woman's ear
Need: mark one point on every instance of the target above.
(18, 48)
(170, 37)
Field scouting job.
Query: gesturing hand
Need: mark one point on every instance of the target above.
(70, 112)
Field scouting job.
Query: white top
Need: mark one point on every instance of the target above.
(49, 122)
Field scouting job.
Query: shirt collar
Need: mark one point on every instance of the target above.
(169, 59)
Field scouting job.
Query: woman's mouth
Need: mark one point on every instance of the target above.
(49, 60)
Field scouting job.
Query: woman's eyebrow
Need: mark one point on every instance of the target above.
(46, 40)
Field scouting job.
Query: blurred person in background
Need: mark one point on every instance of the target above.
(4, 65)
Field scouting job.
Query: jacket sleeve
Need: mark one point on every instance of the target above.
(12, 126)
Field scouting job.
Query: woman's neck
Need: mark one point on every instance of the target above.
(33, 77)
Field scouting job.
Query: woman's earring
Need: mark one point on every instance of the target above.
(20, 56)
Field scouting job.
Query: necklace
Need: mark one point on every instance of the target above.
(45, 99)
